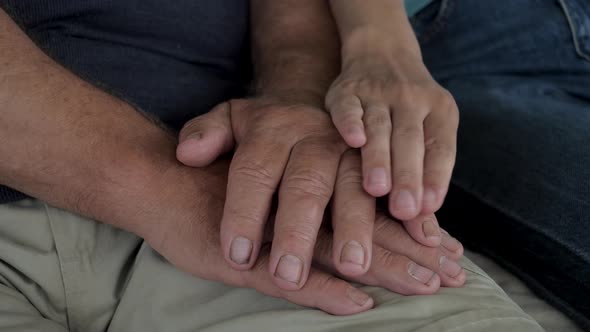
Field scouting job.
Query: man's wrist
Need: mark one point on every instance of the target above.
(292, 97)
(295, 76)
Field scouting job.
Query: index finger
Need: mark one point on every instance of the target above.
(254, 175)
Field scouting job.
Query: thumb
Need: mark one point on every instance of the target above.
(203, 139)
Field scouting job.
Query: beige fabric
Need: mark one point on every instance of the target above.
(60, 272)
(551, 319)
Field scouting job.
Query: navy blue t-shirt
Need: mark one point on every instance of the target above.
(173, 59)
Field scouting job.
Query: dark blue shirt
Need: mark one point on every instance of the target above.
(173, 59)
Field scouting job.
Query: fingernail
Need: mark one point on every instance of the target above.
(353, 253)
(420, 273)
(430, 229)
(429, 198)
(449, 267)
(240, 250)
(289, 269)
(450, 242)
(405, 201)
(378, 177)
(358, 296)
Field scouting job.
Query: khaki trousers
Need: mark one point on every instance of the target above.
(61, 272)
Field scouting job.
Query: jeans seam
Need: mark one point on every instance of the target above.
(574, 30)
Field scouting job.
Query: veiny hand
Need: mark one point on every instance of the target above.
(189, 239)
(406, 125)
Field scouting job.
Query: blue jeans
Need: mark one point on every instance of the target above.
(520, 73)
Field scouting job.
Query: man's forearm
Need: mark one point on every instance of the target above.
(70, 144)
(295, 48)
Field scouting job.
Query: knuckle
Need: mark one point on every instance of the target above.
(253, 172)
(246, 219)
(190, 127)
(437, 177)
(403, 131)
(447, 98)
(408, 94)
(440, 150)
(302, 234)
(344, 100)
(326, 282)
(350, 117)
(450, 105)
(319, 288)
(386, 259)
(426, 256)
(405, 177)
(346, 122)
(432, 258)
(388, 232)
(375, 118)
(308, 183)
(361, 222)
(366, 85)
(350, 162)
(348, 85)
(381, 224)
(350, 178)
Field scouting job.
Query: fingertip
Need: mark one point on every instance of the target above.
(240, 253)
(434, 283)
(354, 136)
(353, 259)
(403, 205)
(288, 272)
(431, 241)
(452, 245)
(377, 182)
(432, 200)
(422, 281)
(461, 278)
(424, 231)
(201, 149)
(376, 190)
(457, 281)
(193, 151)
(432, 234)
(361, 301)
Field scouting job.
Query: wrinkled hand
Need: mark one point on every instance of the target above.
(189, 239)
(298, 147)
(281, 147)
(406, 125)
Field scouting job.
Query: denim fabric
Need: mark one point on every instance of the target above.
(520, 73)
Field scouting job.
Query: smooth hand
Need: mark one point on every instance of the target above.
(405, 123)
